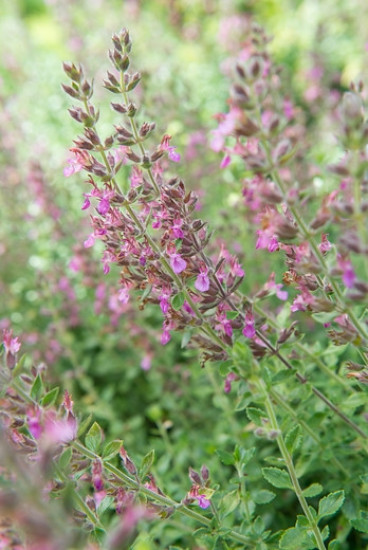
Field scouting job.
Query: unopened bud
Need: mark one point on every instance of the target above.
(352, 106)
(195, 477)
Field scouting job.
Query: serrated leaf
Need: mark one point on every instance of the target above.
(258, 526)
(225, 457)
(256, 416)
(147, 463)
(230, 502)
(65, 458)
(313, 490)
(293, 439)
(94, 437)
(263, 496)
(177, 301)
(112, 449)
(281, 376)
(83, 426)
(37, 388)
(330, 504)
(296, 538)
(247, 455)
(225, 367)
(278, 478)
(361, 523)
(50, 397)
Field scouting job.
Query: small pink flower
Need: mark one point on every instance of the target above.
(170, 149)
(103, 206)
(325, 245)
(249, 331)
(225, 161)
(90, 241)
(348, 273)
(75, 164)
(11, 345)
(203, 502)
(230, 378)
(202, 282)
(177, 263)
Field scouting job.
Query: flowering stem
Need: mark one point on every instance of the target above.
(309, 237)
(136, 135)
(160, 499)
(280, 400)
(289, 465)
(317, 392)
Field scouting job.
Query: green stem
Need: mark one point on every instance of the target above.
(290, 466)
(160, 499)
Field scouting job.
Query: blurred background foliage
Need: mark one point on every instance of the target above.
(185, 50)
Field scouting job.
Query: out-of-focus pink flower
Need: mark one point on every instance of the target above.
(11, 345)
(325, 245)
(348, 273)
(170, 149)
(202, 282)
(230, 378)
(76, 163)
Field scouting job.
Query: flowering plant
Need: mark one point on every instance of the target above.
(289, 398)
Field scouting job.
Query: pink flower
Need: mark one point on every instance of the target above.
(348, 273)
(170, 149)
(75, 164)
(249, 331)
(11, 345)
(103, 206)
(202, 282)
(203, 502)
(230, 378)
(325, 245)
(177, 263)
(90, 241)
(225, 161)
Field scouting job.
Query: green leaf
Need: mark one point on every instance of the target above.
(247, 455)
(361, 523)
(256, 416)
(112, 449)
(83, 426)
(293, 439)
(330, 504)
(296, 538)
(177, 301)
(65, 458)
(278, 478)
(50, 397)
(258, 526)
(187, 334)
(263, 496)
(230, 502)
(225, 457)
(225, 367)
(281, 376)
(105, 504)
(313, 490)
(37, 388)
(94, 437)
(19, 366)
(147, 463)
(232, 315)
